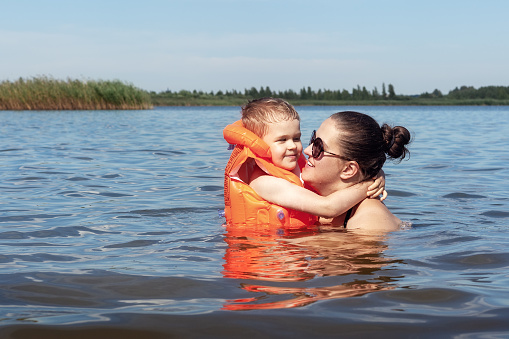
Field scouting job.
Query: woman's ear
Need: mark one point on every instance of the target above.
(350, 170)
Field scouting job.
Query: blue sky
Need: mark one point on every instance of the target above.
(156, 45)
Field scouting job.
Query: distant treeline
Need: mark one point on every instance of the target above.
(44, 93)
(490, 95)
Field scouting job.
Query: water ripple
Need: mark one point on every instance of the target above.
(496, 214)
(32, 217)
(68, 231)
(134, 243)
(461, 195)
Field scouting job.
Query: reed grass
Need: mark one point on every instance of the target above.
(45, 93)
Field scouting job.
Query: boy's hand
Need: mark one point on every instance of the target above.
(377, 188)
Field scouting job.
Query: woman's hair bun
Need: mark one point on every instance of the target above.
(395, 140)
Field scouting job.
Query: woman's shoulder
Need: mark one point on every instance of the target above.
(372, 214)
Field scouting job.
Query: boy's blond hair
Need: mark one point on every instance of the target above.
(259, 112)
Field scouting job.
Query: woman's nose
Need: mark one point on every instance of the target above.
(307, 150)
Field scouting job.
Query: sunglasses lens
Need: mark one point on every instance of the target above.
(317, 148)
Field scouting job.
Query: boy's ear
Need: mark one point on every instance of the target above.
(350, 169)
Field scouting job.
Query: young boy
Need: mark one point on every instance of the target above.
(268, 145)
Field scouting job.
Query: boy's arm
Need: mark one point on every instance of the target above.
(288, 195)
(377, 188)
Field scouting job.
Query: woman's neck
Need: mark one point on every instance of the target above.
(329, 188)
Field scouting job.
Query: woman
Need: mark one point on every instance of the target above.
(348, 148)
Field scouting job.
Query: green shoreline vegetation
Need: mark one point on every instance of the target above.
(46, 93)
(490, 95)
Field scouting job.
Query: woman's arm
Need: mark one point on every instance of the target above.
(288, 195)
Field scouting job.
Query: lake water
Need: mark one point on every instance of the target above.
(109, 228)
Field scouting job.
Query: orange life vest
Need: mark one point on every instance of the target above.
(243, 206)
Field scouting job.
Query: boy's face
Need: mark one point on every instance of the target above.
(283, 139)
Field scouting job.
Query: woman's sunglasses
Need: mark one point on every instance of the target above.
(317, 149)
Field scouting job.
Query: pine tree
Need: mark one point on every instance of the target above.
(392, 94)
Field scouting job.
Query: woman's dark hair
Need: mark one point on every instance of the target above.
(364, 141)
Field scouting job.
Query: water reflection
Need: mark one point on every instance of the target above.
(347, 263)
